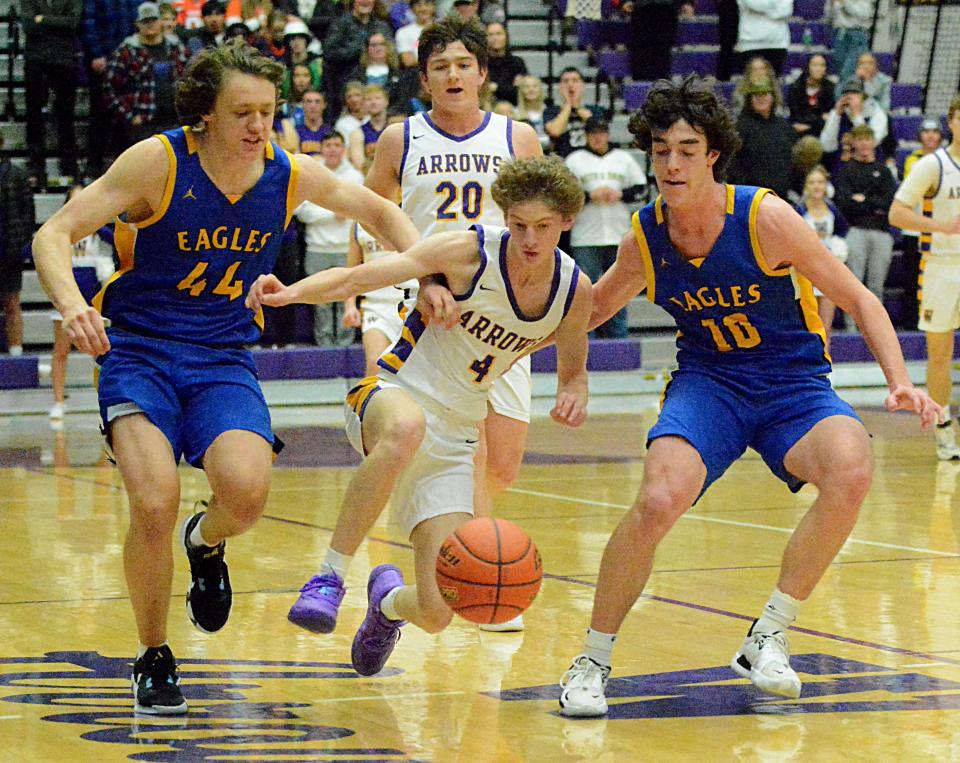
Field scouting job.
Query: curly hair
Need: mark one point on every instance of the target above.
(206, 72)
(436, 37)
(541, 178)
(692, 100)
(953, 107)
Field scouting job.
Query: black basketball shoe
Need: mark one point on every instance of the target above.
(210, 596)
(156, 684)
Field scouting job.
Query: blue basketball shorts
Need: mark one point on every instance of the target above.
(193, 394)
(722, 416)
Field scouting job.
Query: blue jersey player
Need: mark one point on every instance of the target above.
(734, 266)
(200, 212)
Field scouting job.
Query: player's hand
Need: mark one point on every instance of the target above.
(906, 397)
(952, 227)
(268, 290)
(86, 330)
(351, 316)
(571, 408)
(436, 303)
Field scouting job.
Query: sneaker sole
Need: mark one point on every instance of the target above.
(180, 709)
(583, 712)
(183, 542)
(513, 625)
(779, 690)
(314, 625)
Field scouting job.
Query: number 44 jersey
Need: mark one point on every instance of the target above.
(455, 368)
(734, 313)
(185, 270)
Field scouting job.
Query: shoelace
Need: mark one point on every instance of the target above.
(584, 668)
(323, 585)
(777, 638)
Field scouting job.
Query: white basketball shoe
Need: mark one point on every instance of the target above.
(764, 658)
(582, 689)
(947, 449)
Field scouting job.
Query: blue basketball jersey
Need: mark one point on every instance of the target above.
(311, 141)
(184, 271)
(733, 312)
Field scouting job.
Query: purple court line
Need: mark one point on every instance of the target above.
(747, 618)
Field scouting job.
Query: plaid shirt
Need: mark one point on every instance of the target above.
(130, 88)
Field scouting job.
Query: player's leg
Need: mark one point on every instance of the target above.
(58, 369)
(389, 433)
(375, 342)
(505, 429)
(815, 438)
(938, 319)
(149, 470)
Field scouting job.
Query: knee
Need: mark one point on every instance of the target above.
(154, 517)
(244, 500)
(401, 438)
(661, 507)
(503, 468)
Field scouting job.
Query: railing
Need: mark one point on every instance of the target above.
(13, 51)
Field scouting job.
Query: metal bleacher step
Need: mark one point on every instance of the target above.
(15, 135)
(527, 33)
(525, 9)
(537, 61)
(45, 204)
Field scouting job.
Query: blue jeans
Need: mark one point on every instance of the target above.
(595, 261)
(848, 46)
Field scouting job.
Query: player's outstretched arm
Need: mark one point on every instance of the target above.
(625, 279)
(572, 347)
(444, 253)
(381, 217)
(785, 240)
(134, 183)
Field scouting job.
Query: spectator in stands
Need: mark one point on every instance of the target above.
(344, 44)
(763, 31)
(851, 20)
(354, 109)
(852, 108)
(363, 140)
(821, 215)
(189, 14)
(766, 156)
(810, 97)
(318, 15)
(504, 69)
(297, 39)
(17, 216)
(758, 69)
(211, 34)
(298, 80)
(565, 123)
(807, 154)
(306, 136)
(612, 182)
(270, 41)
(92, 266)
(399, 15)
(931, 138)
(876, 84)
(653, 29)
(865, 191)
(235, 26)
(466, 9)
(530, 106)
(328, 238)
(407, 37)
(52, 29)
(505, 108)
(106, 24)
(168, 20)
(141, 73)
(378, 64)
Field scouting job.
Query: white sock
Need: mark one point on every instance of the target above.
(388, 604)
(599, 647)
(336, 563)
(142, 648)
(778, 613)
(196, 537)
(15, 350)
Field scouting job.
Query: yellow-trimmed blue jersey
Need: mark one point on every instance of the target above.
(733, 311)
(184, 271)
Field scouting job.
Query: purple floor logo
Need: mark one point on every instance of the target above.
(827, 679)
(222, 723)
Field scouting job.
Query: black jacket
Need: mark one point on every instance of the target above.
(57, 37)
(766, 157)
(16, 208)
(873, 180)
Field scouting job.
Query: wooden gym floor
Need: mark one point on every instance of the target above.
(877, 645)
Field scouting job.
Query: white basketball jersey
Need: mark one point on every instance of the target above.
(371, 249)
(456, 367)
(445, 179)
(944, 204)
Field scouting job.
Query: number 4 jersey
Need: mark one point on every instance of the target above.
(184, 271)
(733, 312)
(455, 368)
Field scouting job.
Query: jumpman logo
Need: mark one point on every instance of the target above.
(189, 194)
(663, 262)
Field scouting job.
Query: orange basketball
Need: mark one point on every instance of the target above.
(488, 570)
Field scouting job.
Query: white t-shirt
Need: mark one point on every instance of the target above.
(603, 223)
(407, 37)
(934, 184)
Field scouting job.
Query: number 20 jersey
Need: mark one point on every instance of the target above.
(455, 368)
(733, 312)
(445, 179)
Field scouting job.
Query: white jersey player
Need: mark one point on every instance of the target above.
(441, 164)
(417, 422)
(934, 184)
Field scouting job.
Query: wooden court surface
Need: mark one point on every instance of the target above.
(877, 645)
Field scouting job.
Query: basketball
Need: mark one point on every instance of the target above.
(488, 570)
